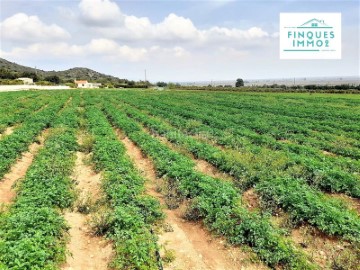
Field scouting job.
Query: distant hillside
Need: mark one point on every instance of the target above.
(18, 68)
(78, 73)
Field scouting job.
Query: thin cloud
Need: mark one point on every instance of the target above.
(103, 48)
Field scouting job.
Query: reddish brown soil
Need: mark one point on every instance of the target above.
(194, 247)
(18, 171)
(320, 247)
(250, 199)
(87, 252)
(65, 104)
(284, 141)
(204, 138)
(327, 153)
(200, 165)
(353, 203)
(87, 180)
(8, 131)
(210, 170)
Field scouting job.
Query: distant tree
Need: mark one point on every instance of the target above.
(53, 79)
(171, 85)
(29, 74)
(239, 82)
(117, 85)
(142, 84)
(67, 81)
(131, 83)
(71, 84)
(161, 84)
(8, 74)
(44, 83)
(10, 82)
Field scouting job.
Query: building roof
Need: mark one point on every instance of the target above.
(315, 23)
(81, 82)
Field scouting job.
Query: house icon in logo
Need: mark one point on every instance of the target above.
(314, 23)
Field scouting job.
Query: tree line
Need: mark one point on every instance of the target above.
(10, 77)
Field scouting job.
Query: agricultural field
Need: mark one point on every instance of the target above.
(106, 179)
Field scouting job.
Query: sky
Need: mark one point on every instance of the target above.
(172, 40)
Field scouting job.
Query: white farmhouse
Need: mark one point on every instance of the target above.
(82, 84)
(86, 84)
(26, 81)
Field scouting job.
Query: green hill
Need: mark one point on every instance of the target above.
(10, 70)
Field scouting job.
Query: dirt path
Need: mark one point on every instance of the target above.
(352, 203)
(200, 165)
(250, 199)
(322, 249)
(67, 102)
(207, 168)
(87, 252)
(317, 245)
(194, 247)
(8, 131)
(18, 171)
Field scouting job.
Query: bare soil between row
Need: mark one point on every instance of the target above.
(194, 246)
(19, 169)
(85, 251)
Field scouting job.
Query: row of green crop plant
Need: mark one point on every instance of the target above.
(10, 103)
(343, 222)
(16, 99)
(273, 88)
(272, 105)
(325, 110)
(13, 145)
(216, 202)
(266, 130)
(19, 110)
(246, 167)
(278, 127)
(289, 147)
(243, 107)
(227, 137)
(228, 132)
(321, 173)
(306, 204)
(133, 213)
(321, 107)
(33, 230)
(282, 127)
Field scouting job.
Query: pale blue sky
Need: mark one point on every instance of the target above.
(173, 40)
